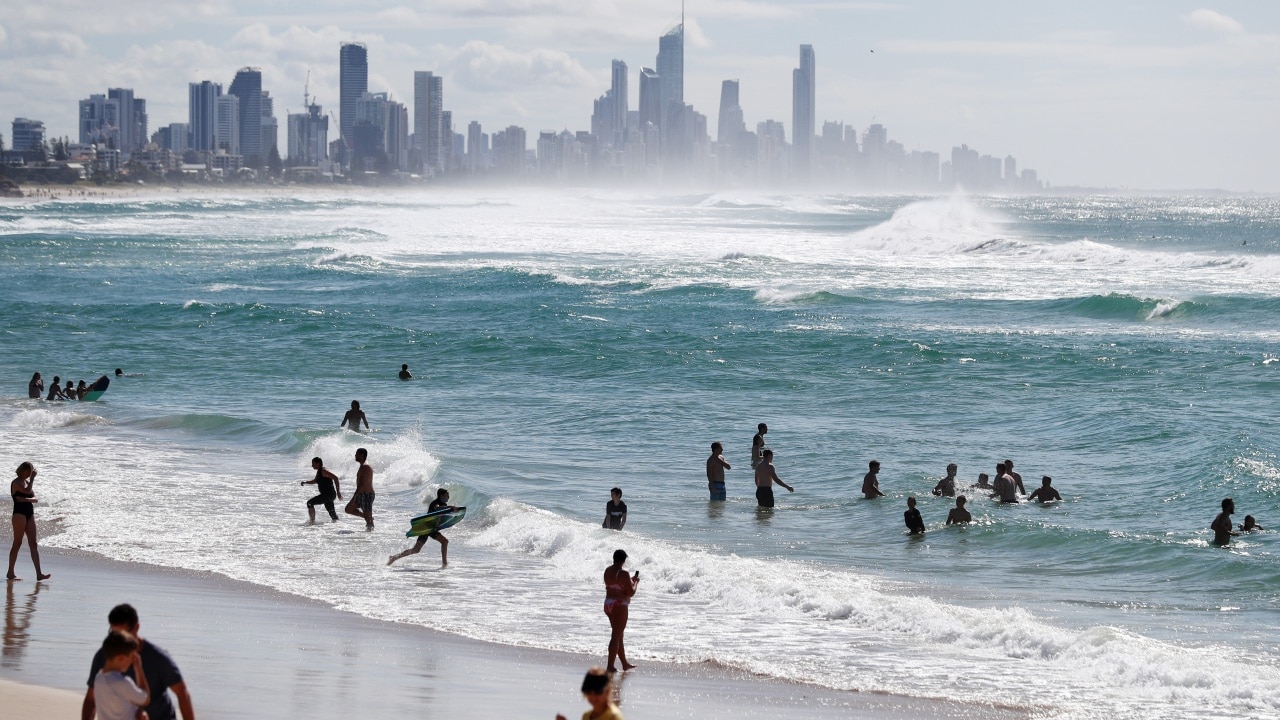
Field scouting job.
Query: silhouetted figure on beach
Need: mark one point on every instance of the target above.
(946, 487)
(1221, 526)
(24, 519)
(361, 504)
(912, 518)
(352, 419)
(440, 503)
(404, 372)
(329, 488)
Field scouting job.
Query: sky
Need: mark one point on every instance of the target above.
(1160, 94)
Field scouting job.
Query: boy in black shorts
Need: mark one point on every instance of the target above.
(327, 483)
(440, 503)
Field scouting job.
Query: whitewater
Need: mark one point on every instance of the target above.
(569, 342)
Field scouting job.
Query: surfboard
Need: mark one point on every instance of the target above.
(435, 521)
(98, 387)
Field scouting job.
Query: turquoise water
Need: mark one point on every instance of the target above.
(568, 343)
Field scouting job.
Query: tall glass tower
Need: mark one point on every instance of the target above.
(247, 86)
(803, 110)
(671, 68)
(353, 65)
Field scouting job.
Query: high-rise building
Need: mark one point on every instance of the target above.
(803, 113)
(428, 106)
(1011, 172)
(202, 115)
(126, 139)
(731, 123)
(619, 107)
(395, 135)
(475, 149)
(650, 98)
(353, 67)
(100, 121)
(447, 154)
(368, 135)
(309, 137)
(247, 87)
(670, 65)
(270, 128)
(509, 148)
(227, 125)
(28, 135)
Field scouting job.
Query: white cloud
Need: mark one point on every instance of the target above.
(479, 65)
(1215, 21)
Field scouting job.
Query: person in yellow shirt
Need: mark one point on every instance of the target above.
(596, 689)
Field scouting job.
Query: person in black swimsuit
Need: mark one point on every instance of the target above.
(327, 483)
(440, 503)
(24, 519)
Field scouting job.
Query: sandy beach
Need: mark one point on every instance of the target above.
(250, 652)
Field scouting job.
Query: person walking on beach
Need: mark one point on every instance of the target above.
(440, 503)
(24, 519)
(404, 372)
(757, 445)
(1017, 479)
(716, 465)
(615, 511)
(354, 417)
(1046, 492)
(1221, 526)
(328, 486)
(161, 673)
(55, 390)
(946, 487)
(618, 590)
(595, 688)
(361, 504)
(915, 523)
(871, 481)
(766, 476)
(116, 695)
(35, 388)
(958, 515)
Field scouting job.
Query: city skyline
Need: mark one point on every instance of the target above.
(540, 87)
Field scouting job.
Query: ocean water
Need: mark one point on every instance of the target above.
(568, 342)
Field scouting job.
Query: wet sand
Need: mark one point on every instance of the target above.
(246, 651)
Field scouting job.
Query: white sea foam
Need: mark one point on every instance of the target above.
(42, 419)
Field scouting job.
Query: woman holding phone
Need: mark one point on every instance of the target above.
(618, 589)
(24, 518)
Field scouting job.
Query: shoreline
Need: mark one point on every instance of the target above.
(243, 646)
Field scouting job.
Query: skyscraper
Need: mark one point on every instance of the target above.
(620, 106)
(353, 82)
(100, 121)
(428, 104)
(309, 136)
(202, 114)
(270, 128)
(132, 120)
(803, 112)
(671, 68)
(730, 124)
(650, 98)
(247, 87)
(227, 124)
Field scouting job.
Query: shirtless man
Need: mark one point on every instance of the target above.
(958, 515)
(1017, 479)
(946, 487)
(871, 483)
(1221, 526)
(758, 446)
(361, 504)
(716, 465)
(404, 372)
(1046, 492)
(354, 417)
(55, 390)
(766, 476)
(1005, 489)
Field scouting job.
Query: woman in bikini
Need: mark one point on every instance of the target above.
(618, 589)
(24, 518)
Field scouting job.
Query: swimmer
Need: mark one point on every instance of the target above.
(757, 445)
(871, 483)
(766, 476)
(1250, 524)
(716, 465)
(1005, 488)
(946, 487)
(984, 481)
(55, 390)
(119, 372)
(440, 503)
(615, 511)
(404, 372)
(958, 515)
(1017, 479)
(81, 390)
(1046, 492)
(1221, 526)
(914, 522)
(35, 388)
(354, 417)
(69, 392)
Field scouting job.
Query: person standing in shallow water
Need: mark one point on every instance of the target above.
(766, 476)
(757, 445)
(1221, 526)
(618, 591)
(871, 481)
(35, 388)
(915, 523)
(615, 511)
(958, 515)
(716, 465)
(354, 417)
(404, 372)
(329, 487)
(24, 519)
(946, 487)
(361, 504)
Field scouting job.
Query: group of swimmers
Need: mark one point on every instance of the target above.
(35, 388)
